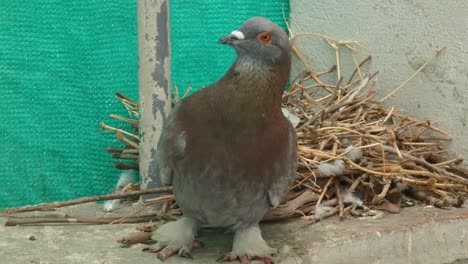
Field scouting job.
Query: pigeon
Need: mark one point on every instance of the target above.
(228, 151)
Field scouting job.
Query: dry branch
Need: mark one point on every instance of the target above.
(135, 238)
(51, 206)
(13, 221)
(289, 209)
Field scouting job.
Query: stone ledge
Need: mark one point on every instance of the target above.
(416, 235)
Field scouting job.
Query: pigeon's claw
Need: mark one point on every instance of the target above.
(198, 244)
(166, 253)
(231, 256)
(185, 254)
(175, 239)
(244, 260)
(154, 249)
(265, 260)
(226, 257)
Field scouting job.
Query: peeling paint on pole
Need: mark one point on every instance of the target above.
(154, 82)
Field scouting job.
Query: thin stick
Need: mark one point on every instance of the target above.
(288, 209)
(176, 94)
(160, 199)
(13, 221)
(356, 183)
(326, 215)
(125, 119)
(301, 57)
(132, 136)
(358, 68)
(384, 192)
(135, 238)
(187, 91)
(121, 96)
(124, 156)
(50, 206)
(438, 51)
(126, 141)
(127, 166)
(286, 22)
(448, 162)
(130, 151)
(114, 150)
(323, 192)
(337, 55)
(304, 61)
(353, 55)
(340, 200)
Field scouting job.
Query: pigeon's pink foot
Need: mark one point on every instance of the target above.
(266, 260)
(243, 259)
(249, 242)
(230, 256)
(166, 252)
(155, 249)
(198, 244)
(175, 238)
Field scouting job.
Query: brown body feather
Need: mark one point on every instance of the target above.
(228, 151)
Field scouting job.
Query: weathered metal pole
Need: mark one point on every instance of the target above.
(154, 82)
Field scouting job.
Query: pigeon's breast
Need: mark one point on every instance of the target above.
(232, 162)
(219, 197)
(226, 183)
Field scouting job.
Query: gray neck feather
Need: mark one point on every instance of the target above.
(249, 69)
(247, 64)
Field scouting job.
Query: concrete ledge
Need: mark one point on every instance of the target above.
(417, 235)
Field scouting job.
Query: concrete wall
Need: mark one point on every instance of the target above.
(400, 35)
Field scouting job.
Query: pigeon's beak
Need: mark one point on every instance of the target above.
(232, 39)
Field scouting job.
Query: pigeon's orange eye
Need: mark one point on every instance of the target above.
(265, 37)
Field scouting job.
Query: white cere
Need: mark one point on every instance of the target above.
(238, 34)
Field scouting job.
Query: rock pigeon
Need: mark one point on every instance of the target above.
(228, 151)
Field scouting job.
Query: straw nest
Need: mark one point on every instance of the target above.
(356, 156)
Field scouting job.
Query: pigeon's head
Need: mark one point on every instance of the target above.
(260, 40)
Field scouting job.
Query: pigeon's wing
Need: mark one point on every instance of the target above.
(171, 147)
(286, 173)
(191, 115)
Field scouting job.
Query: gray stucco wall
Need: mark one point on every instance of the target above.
(400, 35)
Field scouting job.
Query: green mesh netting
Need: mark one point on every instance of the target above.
(60, 64)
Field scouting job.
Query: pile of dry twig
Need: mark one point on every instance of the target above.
(354, 153)
(130, 140)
